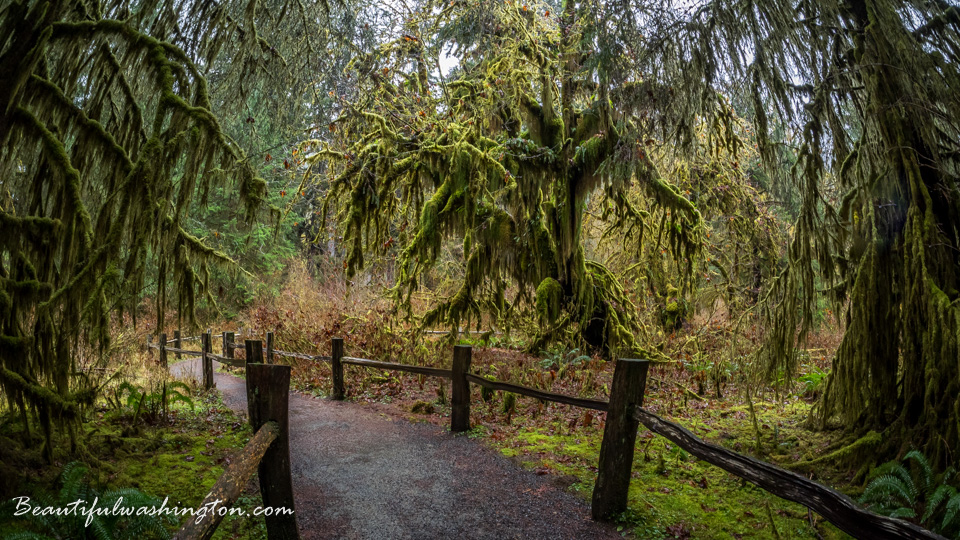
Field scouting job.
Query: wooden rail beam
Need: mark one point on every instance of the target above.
(182, 351)
(460, 393)
(595, 404)
(268, 391)
(230, 485)
(836, 507)
(391, 366)
(238, 362)
(619, 439)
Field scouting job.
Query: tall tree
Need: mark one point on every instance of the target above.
(874, 88)
(505, 152)
(107, 134)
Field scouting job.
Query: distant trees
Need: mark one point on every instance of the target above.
(552, 107)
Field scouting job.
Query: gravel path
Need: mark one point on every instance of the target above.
(359, 473)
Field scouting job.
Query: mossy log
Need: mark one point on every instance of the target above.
(836, 507)
(230, 485)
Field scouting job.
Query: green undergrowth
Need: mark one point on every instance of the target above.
(180, 459)
(672, 494)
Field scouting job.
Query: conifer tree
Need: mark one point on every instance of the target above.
(505, 153)
(872, 89)
(108, 133)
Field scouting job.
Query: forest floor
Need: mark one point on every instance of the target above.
(386, 466)
(360, 472)
(179, 458)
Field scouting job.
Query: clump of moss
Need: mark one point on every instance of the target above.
(549, 296)
(422, 407)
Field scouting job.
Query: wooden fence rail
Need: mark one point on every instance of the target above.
(267, 453)
(836, 507)
(624, 415)
(585, 403)
(390, 366)
(182, 351)
(229, 486)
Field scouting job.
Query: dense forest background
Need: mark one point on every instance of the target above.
(762, 198)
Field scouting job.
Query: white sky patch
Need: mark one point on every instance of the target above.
(447, 63)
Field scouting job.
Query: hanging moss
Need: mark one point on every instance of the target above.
(108, 135)
(508, 154)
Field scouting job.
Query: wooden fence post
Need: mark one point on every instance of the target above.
(336, 366)
(228, 344)
(619, 439)
(254, 349)
(460, 393)
(269, 347)
(163, 350)
(177, 342)
(268, 388)
(206, 348)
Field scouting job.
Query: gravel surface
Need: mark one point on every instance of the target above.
(360, 473)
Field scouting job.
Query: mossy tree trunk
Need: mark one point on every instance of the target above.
(903, 325)
(878, 171)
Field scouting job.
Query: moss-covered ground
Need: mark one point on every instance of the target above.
(179, 458)
(672, 495)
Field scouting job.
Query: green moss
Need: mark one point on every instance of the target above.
(671, 492)
(549, 298)
(184, 461)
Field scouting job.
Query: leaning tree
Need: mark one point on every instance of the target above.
(108, 133)
(542, 117)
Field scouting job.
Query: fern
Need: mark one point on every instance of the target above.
(174, 394)
(151, 406)
(73, 480)
(943, 493)
(899, 492)
(950, 514)
(888, 491)
(925, 473)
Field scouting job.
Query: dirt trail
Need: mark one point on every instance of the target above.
(362, 474)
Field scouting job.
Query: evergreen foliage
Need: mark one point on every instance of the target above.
(108, 134)
(870, 93)
(880, 115)
(506, 152)
(910, 490)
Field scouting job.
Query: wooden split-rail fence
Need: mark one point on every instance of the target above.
(268, 451)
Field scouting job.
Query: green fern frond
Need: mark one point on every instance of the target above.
(951, 512)
(925, 476)
(887, 491)
(940, 495)
(26, 535)
(903, 513)
(72, 480)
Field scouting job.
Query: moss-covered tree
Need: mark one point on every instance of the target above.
(107, 135)
(872, 88)
(505, 152)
